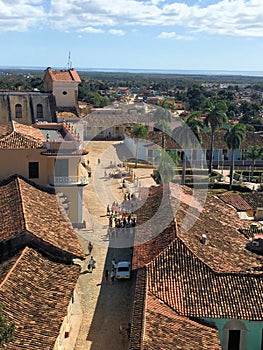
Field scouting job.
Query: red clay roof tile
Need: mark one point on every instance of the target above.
(165, 329)
(236, 201)
(19, 136)
(64, 75)
(182, 281)
(28, 207)
(44, 288)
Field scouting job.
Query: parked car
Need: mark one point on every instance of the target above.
(123, 270)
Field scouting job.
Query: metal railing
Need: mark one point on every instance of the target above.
(68, 180)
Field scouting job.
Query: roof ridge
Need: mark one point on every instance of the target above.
(13, 126)
(19, 189)
(25, 137)
(14, 266)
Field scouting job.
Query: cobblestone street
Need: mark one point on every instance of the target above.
(105, 307)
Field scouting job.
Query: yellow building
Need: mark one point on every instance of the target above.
(27, 107)
(64, 86)
(48, 154)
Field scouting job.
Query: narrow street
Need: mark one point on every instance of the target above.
(105, 306)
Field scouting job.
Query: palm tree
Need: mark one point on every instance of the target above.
(162, 118)
(167, 161)
(254, 152)
(138, 131)
(233, 138)
(215, 118)
(187, 136)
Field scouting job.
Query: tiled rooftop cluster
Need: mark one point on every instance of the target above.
(193, 289)
(167, 329)
(186, 278)
(155, 216)
(37, 283)
(19, 136)
(225, 248)
(21, 203)
(35, 293)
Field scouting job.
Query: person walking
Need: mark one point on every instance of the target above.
(112, 276)
(114, 264)
(91, 265)
(90, 247)
(106, 276)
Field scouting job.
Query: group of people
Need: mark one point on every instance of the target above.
(119, 217)
(92, 262)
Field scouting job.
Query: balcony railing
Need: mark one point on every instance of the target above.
(68, 180)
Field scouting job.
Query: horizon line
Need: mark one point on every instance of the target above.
(255, 73)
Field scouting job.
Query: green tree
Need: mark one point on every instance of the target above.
(234, 138)
(253, 153)
(138, 131)
(187, 136)
(162, 118)
(167, 161)
(196, 97)
(6, 330)
(215, 118)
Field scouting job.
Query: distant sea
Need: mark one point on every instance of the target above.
(150, 71)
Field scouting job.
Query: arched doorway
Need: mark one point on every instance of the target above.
(234, 335)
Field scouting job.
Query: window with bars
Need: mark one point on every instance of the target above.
(39, 111)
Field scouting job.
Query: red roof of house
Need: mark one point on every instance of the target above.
(25, 207)
(64, 75)
(19, 136)
(155, 216)
(164, 328)
(190, 287)
(35, 293)
(225, 248)
(236, 201)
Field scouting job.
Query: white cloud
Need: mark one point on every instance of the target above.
(91, 30)
(173, 35)
(20, 15)
(166, 35)
(118, 32)
(224, 17)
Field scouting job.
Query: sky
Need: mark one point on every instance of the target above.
(133, 34)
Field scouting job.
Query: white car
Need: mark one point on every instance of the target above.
(123, 270)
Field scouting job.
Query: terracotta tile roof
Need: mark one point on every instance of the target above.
(156, 138)
(64, 75)
(107, 120)
(236, 201)
(255, 200)
(225, 248)
(19, 136)
(165, 329)
(155, 216)
(44, 289)
(182, 281)
(138, 312)
(28, 207)
(252, 139)
(155, 325)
